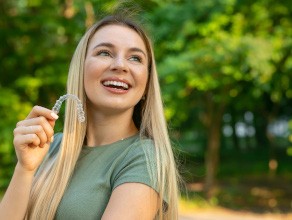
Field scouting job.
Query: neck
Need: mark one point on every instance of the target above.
(106, 129)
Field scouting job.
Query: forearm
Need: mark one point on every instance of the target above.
(14, 203)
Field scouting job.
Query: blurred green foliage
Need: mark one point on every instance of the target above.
(225, 68)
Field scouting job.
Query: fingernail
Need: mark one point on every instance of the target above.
(52, 139)
(54, 115)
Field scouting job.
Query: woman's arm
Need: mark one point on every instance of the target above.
(32, 138)
(131, 201)
(15, 201)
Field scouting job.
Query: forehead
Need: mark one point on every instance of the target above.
(118, 35)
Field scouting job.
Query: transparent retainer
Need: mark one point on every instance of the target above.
(80, 111)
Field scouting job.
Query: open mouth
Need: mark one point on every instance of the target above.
(116, 85)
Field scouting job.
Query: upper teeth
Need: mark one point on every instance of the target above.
(116, 83)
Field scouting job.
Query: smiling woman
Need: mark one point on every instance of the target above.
(113, 61)
(119, 163)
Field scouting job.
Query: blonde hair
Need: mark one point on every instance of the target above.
(51, 182)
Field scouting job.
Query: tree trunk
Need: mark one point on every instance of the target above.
(212, 157)
(234, 135)
(273, 162)
(214, 115)
(261, 125)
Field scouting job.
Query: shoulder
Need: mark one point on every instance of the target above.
(142, 145)
(138, 164)
(142, 150)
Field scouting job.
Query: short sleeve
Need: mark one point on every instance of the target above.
(137, 166)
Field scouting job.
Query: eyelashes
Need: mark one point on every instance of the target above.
(107, 53)
(136, 58)
(103, 53)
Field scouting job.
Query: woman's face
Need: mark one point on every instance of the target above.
(116, 69)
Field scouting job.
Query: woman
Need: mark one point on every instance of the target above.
(119, 163)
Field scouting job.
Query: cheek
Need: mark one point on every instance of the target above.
(89, 69)
(142, 78)
(89, 75)
(94, 68)
(91, 72)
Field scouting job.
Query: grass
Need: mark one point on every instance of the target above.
(253, 194)
(243, 183)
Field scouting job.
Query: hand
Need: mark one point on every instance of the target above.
(32, 137)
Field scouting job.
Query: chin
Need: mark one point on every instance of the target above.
(114, 108)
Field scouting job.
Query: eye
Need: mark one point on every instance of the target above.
(103, 53)
(136, 58)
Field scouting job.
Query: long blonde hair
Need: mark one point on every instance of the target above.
(50, 184)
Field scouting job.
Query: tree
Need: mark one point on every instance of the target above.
(38, 40)
(211, 53)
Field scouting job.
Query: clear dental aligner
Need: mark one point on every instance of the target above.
(80, 111)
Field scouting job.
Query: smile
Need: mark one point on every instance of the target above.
(116, 84)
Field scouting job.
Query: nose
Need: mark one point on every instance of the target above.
(119, 64)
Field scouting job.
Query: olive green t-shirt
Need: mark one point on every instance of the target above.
(99, 170)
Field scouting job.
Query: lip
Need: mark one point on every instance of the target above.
(116, 79)
(114, 90)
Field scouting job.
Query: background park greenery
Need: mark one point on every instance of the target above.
(225, 68)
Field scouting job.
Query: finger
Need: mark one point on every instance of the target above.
(41, 121)
(30, 129)
(41, 111)
(33, 129)
(36, 120)
(47, 127)
(27, 139)
(52, 122)
(35, 146)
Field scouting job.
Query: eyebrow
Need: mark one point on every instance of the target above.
(110, 45)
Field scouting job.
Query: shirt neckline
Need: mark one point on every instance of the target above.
(128, 139)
